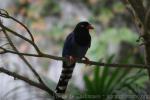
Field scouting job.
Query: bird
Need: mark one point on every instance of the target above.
(75, 47)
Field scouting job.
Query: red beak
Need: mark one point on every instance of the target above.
(90, 27)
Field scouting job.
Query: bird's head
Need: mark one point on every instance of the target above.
(81, 33)
(83, 26)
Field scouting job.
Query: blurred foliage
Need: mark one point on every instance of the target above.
(57, 31)
(112, 36)
(28, 7)
(114, 84)
(50, 7)
(105, 11)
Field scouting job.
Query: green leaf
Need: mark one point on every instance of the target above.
(88, 85)
(105, 75)
(96, 79)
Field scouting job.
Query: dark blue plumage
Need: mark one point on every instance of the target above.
(71, 47)
(75, 46)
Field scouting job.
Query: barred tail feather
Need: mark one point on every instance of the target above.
(66, 74)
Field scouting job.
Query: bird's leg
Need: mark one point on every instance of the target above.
(71, 59)
(87, 60)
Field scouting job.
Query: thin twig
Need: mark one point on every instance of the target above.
(32, 69)
(6, 15)
(32, 83)
(4, 44)
(21, 56)
(24, 38)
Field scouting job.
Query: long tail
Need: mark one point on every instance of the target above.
(66, 74)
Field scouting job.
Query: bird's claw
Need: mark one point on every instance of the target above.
(71, 59)
(87, 61)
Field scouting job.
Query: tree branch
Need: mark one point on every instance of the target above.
(32, 83)
(22, 37)
(147, 20)
(139, 9)
(6, 15)
(22, 57)
(143, 15)
(78, 61)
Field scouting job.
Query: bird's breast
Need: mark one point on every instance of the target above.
(79, 51)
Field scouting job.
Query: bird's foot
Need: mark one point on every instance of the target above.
(87, 61)
(71, 59)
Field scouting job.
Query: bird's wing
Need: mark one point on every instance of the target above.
(68, 45)
(73, 49)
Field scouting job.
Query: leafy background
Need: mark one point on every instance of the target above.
(50, 21)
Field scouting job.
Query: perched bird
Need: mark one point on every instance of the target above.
(75, 47)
